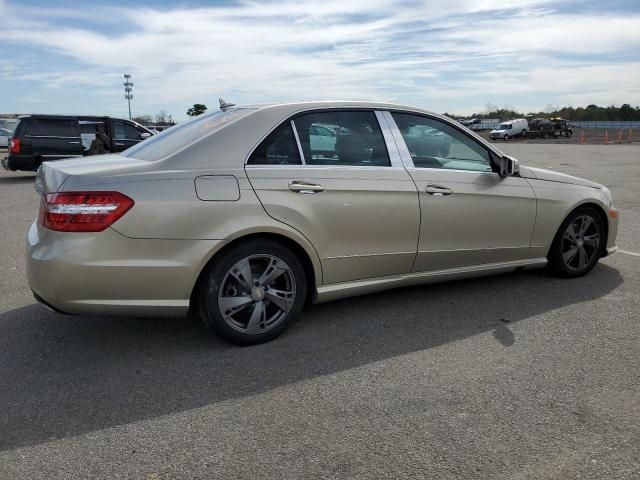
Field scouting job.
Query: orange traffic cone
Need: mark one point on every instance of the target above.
(606, 137)
(582, 137)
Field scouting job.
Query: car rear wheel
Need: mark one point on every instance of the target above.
(254, 292)
(578, 244)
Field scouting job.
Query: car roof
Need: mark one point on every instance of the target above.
(79, 117)
(293, 107)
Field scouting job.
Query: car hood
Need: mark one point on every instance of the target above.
(551, 176)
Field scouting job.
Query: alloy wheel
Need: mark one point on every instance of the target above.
(257, 294)
(581, 243)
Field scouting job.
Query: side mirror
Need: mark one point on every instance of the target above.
(145, 135)
(509, 166)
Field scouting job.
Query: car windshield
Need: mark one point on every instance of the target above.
(182, 135)
(503, 126)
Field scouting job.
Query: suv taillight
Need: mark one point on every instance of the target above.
(14, 147)
(83, 211)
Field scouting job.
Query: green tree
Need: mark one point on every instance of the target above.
(197, 109)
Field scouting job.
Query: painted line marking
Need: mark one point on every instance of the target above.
(630, 253)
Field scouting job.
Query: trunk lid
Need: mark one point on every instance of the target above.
(52, 175)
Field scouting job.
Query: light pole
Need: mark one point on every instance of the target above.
(128, 87)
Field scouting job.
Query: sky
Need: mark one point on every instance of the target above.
(453, 56)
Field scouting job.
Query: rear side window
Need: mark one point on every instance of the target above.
(88, 127)
(279, 148)
(52, 127)
(342, 138)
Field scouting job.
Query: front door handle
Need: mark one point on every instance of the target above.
(74, 143)
(437, 190)
(300, 186)
(119, 144)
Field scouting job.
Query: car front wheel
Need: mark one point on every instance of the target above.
(578, 244)
(253, 292)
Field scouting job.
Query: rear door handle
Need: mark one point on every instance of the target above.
(300, 186)
(74, 143)
(119, 144)
(437, 190)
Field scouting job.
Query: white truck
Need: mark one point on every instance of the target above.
(510, 129)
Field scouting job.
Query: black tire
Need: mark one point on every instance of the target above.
(566, 253)
(222, 274)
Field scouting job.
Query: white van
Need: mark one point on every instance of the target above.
(510, 129)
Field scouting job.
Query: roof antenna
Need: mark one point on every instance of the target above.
(224, 104)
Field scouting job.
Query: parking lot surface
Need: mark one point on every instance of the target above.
(514, 376)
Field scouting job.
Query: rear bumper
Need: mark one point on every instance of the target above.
(107, 273)
(19, 162)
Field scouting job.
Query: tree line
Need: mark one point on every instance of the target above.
(625, 112)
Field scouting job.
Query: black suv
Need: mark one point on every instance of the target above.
(42, 138)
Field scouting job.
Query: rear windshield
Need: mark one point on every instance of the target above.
(177, 137)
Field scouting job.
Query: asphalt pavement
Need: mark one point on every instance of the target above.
(511, 377)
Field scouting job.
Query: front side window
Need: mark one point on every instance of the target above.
(435, 144)
(279, 148)
(125, 131)
(342, 138)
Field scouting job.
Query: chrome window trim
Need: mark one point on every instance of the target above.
(328, 167)
(406, 155)
(392, 149)
(295, 134)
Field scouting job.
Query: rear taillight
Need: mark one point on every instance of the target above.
(83, 211)
(14, 147)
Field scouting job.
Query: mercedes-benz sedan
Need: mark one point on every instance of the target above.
(243, 215)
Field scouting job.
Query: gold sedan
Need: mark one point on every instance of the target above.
(243, 215)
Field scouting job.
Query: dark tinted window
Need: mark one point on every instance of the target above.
(124, 130)
(435, 144)
(52, 127)
(279, 148)
(342, 138)
(89, 127)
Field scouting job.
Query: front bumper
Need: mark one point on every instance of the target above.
(108, 273)
(612, 234)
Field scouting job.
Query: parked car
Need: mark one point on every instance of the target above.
(237, 218)
(41, 138)
(5, 135)
(510, 129)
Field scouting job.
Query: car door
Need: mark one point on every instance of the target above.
(52, 138)
(470, 215)
(350, 196)
(125, 135)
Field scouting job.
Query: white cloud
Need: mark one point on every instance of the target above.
(433, 54)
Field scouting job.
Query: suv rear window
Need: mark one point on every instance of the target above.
(182, 135)
(52, 127)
